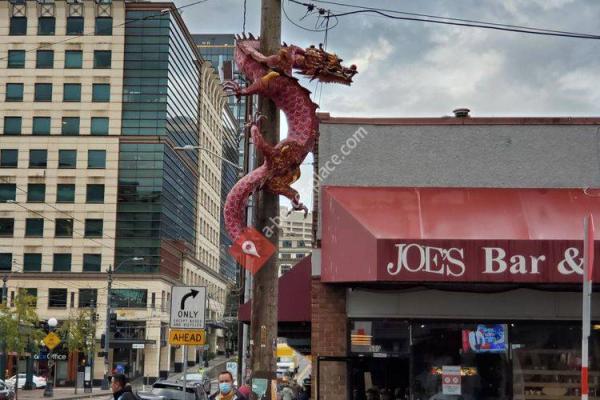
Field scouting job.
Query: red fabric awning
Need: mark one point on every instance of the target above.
(453, 234)
(294, 295)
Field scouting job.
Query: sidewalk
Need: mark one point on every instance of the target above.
(63, 394)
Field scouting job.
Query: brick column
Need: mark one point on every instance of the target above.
(329, 338)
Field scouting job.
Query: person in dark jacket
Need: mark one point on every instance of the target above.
(120, 389)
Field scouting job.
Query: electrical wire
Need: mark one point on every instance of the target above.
(454, 21)
(303, 27)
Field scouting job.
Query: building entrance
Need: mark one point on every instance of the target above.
(380, 378)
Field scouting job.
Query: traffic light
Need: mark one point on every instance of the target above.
(112, 324)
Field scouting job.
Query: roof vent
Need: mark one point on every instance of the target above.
(461, 112)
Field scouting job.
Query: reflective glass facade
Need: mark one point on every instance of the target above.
(157, 185)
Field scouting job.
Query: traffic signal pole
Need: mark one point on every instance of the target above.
(105, 383)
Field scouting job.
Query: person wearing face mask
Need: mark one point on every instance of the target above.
(226, 389)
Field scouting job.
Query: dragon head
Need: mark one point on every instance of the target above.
(316, 63)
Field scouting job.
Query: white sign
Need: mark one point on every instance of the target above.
(232, 367)
(137, 346)
(451, 379)
(188, 305)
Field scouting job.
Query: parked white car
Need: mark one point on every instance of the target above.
(38, 381)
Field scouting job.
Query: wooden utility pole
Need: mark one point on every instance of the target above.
(263, 326)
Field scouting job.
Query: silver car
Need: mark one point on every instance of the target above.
(172, 390)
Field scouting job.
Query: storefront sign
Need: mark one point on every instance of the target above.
(482, 261)
(137, 346)
(51, 356)
(451, 380)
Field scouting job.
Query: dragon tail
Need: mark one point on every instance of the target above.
(237, 199)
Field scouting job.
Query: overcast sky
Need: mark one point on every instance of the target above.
(422, 69)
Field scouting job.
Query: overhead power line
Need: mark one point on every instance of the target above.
(447, 20)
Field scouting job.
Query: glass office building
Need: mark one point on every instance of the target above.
(158, 186)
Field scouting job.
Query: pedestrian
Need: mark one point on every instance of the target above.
(120, 389)
(226, 389)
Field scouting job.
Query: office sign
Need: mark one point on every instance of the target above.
(187, 337)
(188, 305)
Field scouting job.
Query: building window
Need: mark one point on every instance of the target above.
(72, 92)
(46, 25)
(14, 92)
(301, 243)
(73, 59)
(70, 126)
(72, 300)
(57, 298)
(43, 92)
(7, 227)
(36, 193)
(67, 158)
(63, 227)
(299, 255)
(97, 159)
(44, 59)
(62, 262)
(74, 25)
(102, 58)
(100, 92)
(9, 158)
(65, 193)
(31, 293)
(41, 126)
(32, 262)
(99, 126)
(287, 243)
(104, 26)
(38, 158)
(129, 298)
(92, 262)
(94, 193)
(8, 191)
(93, 227)
(12, 125)
(16, 59)
(286, 255)
(18, 26)
(5, 261)
(34, 227)
(88, 298)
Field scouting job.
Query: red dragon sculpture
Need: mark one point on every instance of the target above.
(271, 76)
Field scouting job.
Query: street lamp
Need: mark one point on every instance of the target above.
(189, 147)
(49, 390)
(105, 382)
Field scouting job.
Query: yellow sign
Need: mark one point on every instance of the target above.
(51, 340)
(187, 336)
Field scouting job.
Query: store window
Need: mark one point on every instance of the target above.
(36, 193)
(38, 158)
(92, 262)
(67, 158)
(44, 59)
(46, 25)
(70, 126)
(18, 26)
(74, 25)
(16, 59)
(62, 262)
(129, 298)
(57, 298)
(104, 26)
(14, 92)
(65, 193)
(94, 193)
(96, 159)
(72, 92)
(7, 227)
(34, 227)
(99, 126)
(5, 261)
(73, 59)
(63, 227)
(100, 92)
(8, 191)
(88, 298)
(9, 158)
(32, 262)
(93, 227)
(41, 125)
(102, 58)
(12, 125)
(43, 92)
